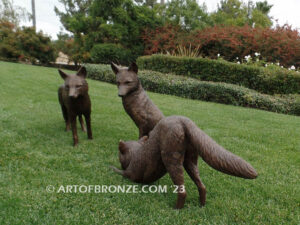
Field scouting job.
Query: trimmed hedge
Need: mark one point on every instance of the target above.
(106, 53)
(264, 80)
(202, 90)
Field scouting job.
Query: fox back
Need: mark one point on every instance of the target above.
(136, 103)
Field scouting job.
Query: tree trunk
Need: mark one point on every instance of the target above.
(33, 14)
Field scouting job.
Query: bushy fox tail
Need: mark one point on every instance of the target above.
(216, 156)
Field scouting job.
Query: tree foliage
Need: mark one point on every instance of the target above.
(233, 43)
(237, 13)
(107, 53)
(132, 23)
(107, 21)
(35, 46)
(12, 13)
(24, 44)
(188, 14)
(67, 45)
(8, 42)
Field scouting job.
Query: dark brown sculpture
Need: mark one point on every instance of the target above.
(136, 103)
(75, 101)
(174, 144)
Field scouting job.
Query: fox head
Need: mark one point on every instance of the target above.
(127, 149)
(76, 84)
(127, 79)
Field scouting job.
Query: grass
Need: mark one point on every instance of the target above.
(35, 152)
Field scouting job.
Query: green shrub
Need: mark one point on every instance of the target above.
(36, 46)
(106, 53)
(202, 90)
(24, 44)
(261, 79)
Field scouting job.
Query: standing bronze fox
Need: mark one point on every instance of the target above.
(174, 144)
(75, 101)
(137, 104)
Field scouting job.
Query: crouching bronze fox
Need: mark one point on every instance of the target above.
(75, 101)
(174, 145)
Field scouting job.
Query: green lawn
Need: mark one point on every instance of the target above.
(35, 152)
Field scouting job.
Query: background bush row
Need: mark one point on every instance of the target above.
(264, 80)
(202, 90)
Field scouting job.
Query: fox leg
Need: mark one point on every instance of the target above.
(68, 125)
(88, 125)
(190, 165)
(124, 173)
(142, 132)
(118, 171)
(66, 117)
(74, 129)
(81, 123)
(174, 165)
(64, 108)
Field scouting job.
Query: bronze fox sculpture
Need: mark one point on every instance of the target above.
(75, 101)
(173, 145)
(137, 104)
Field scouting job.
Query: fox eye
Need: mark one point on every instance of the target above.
(67, 86)
(127, 82)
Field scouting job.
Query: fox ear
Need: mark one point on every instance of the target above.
(133, 67)
(114, 67)
(82, 72)
(63, 74)
(143, 139)
(122, 147)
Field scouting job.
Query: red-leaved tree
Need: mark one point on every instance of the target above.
(279, 44)
(162, 39)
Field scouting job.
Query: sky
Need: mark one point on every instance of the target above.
(286, 11)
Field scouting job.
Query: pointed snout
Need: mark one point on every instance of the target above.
(72, 93)
(122, 91)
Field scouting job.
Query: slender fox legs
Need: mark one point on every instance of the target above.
(74, 129)
(82, 123)
(178, 159)
(88, 125)
(65, 115)
(67, 120)
(173, 162)
(68, 125)
(118, 171)
(177, 175)
(72, 120)
(190, 165)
